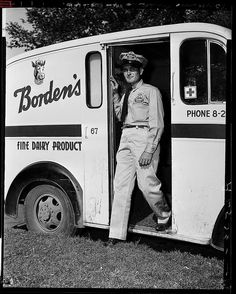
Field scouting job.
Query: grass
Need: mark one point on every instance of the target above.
(42, 261)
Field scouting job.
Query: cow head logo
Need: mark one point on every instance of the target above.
(39, 74)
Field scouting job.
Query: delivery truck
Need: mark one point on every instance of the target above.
(61, 134)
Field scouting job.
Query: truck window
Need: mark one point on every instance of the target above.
(193, 72)
(218, 73)
(202, 72)
(94, 80)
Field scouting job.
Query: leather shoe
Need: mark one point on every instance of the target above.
(112, 242)
(161, 227)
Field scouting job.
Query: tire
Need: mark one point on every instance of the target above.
(218, 234)
(48, 210)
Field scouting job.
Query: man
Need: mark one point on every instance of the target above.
(141, 112)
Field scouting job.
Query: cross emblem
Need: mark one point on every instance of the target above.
(190, 92)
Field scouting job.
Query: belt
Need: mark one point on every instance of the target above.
(134, 126)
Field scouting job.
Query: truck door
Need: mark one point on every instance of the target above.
(95, 141)
(198, 72)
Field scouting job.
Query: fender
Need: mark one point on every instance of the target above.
(45, 172)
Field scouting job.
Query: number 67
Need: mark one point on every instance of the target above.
(94, 131)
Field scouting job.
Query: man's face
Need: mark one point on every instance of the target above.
(132, 74)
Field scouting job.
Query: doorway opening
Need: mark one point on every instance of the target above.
(156, 73)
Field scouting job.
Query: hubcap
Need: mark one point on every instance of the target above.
(49, 212)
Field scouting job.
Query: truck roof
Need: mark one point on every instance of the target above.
(128, 35)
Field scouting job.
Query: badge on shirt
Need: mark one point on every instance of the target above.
(141, 98)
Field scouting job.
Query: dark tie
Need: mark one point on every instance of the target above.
(125, 105)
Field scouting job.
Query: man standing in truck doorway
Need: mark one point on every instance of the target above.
(141, 111)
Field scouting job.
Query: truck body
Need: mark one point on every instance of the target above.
(61, 134)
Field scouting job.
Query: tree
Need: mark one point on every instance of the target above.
(53, 25)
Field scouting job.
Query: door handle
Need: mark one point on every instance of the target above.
(172, 88)
(86, 132)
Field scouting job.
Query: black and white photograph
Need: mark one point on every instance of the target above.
(116, 142)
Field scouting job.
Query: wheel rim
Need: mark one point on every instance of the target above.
(48, 212)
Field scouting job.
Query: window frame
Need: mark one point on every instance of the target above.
(87, 77)
(208, 42)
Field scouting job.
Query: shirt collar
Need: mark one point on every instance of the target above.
(139, 84)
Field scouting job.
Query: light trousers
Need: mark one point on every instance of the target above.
(132, 145)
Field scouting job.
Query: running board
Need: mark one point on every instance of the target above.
(169, 233)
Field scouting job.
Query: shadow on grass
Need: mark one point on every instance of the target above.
(156, 243)
(20, 227)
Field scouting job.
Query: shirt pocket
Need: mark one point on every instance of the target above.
(140, 108)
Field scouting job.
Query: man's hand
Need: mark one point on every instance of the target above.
(114, 84)
(145, 159)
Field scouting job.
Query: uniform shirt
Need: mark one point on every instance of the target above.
(144, 108)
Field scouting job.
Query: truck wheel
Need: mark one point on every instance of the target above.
(48, 210)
